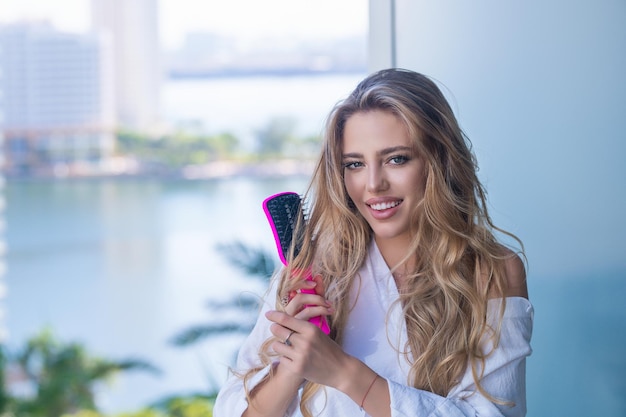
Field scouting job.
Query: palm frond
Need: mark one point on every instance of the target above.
(199, 332)
(253, 261)
(106, 368)
(245, 302)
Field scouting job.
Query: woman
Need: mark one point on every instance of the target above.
(429, 314)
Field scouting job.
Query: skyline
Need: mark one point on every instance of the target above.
(323, 19)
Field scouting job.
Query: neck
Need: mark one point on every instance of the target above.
(394, 253)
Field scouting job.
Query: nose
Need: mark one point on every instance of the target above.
(376, 180)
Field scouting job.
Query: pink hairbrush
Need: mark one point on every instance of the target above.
(283, 211)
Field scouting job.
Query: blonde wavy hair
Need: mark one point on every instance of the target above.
(460, 263)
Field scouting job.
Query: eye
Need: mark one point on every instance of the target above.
(352, 165)
(399, 159)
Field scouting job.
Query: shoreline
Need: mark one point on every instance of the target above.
(211, 171)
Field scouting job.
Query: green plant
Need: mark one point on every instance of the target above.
(63, 376)
(7, 403)
(197, 405)
(176, 150)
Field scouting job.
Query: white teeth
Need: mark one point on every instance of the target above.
(384, 206)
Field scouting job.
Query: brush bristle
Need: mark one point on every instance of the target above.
(283, 212)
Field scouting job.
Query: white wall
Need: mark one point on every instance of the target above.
(539, 89)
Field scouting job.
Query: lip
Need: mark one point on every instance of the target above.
(390, 205)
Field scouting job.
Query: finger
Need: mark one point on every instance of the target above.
(297, 288)
(319, 287)
(300, 301)
(285, 352)
(285, 320)
(314, 311)
(280, 332)
(303, 284)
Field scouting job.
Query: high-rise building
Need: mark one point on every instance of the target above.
(57, 103)
(3, 287)
(133, 27)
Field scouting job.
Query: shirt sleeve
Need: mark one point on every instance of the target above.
(504, 375)
(231, 400)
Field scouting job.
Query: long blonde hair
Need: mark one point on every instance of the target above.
(459, 260)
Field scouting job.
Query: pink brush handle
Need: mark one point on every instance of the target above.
(319, 321)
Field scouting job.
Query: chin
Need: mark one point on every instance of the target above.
(386, 234)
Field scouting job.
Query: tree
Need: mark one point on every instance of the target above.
(176, 150)
(7, 403)
(194, 406)
(274, 137)
(63, 376)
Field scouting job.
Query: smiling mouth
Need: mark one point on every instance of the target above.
(384, 206)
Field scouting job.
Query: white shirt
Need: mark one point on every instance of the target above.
(375, 333)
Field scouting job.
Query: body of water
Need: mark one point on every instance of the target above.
(123, 265)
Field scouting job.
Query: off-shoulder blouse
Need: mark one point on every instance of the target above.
(376, 333)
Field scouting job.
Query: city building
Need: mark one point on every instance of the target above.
(3, 246)
(58, 109)
(133, 29)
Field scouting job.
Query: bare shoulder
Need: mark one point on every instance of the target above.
(515, 275)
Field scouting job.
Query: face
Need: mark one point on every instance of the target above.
(384, 176)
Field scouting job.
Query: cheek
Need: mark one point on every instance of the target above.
(415, 183)
(350, 184)
(421, 174)
(420, 180)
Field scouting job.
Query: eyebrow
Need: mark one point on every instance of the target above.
(382, 152)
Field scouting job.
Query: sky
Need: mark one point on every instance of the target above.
(243, 18)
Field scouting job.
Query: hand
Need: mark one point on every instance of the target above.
(307, 294)
(308, 353)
